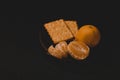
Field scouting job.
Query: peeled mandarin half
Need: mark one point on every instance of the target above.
(55, 53)
(62, 47)
(78, 50)
(88, 34)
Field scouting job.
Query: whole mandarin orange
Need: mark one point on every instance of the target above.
(88, 34)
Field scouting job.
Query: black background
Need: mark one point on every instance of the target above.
(23, 58)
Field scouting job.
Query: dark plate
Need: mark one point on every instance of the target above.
(96, 58)
(45, 40)
(98, 62)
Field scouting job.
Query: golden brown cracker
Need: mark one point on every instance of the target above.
(58, 31)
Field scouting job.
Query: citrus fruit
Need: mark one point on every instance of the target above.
(78, 50)
(55, 53)
(60, 51)
(62, 47)
(88, 34)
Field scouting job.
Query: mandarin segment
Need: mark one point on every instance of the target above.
(55, 53)
(62, 47)
(60, 51)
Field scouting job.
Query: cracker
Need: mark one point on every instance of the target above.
(72, 25)
(58, 31)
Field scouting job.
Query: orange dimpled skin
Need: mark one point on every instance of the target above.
(88, 34)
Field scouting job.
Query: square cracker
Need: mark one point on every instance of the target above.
(58, 31)
(72, 25)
